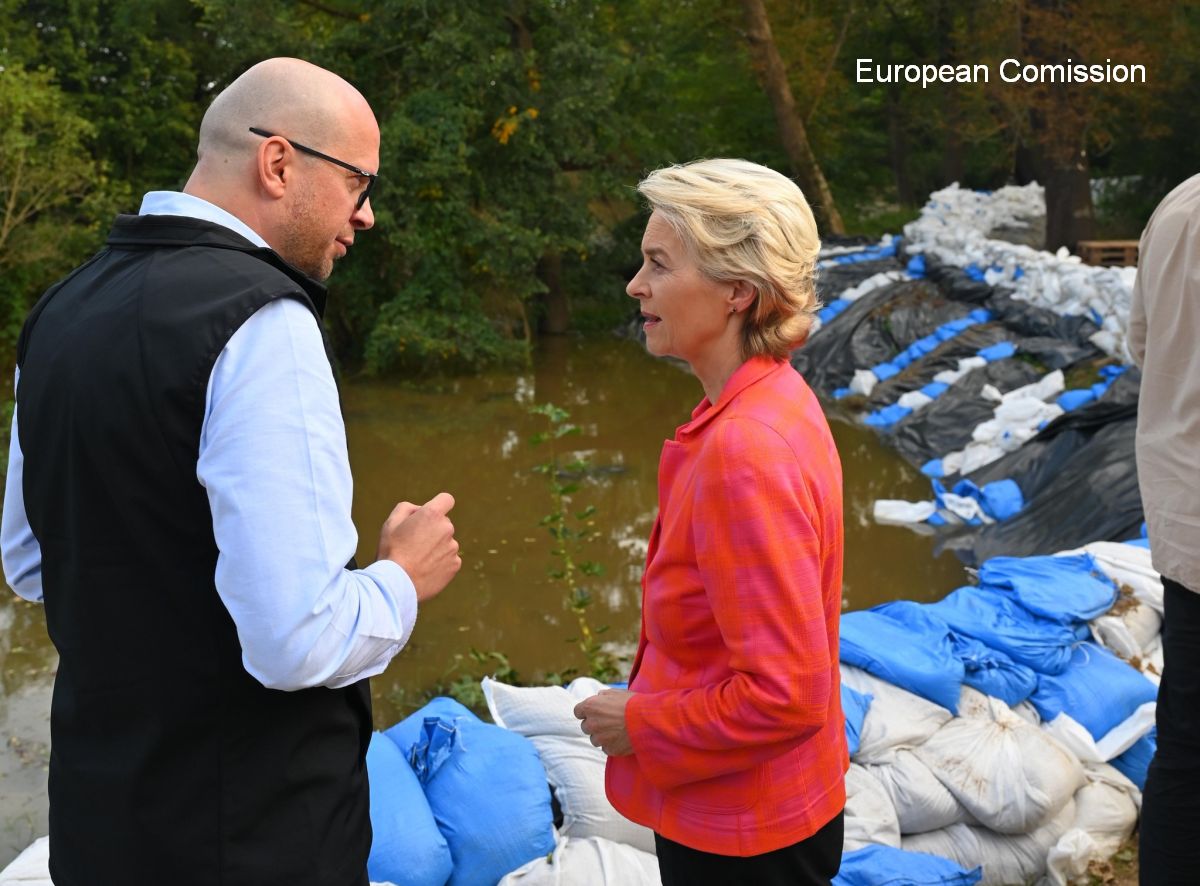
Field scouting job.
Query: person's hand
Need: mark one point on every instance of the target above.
(602, 718)
(421, 541)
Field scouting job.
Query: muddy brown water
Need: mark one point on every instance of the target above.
(470, 436)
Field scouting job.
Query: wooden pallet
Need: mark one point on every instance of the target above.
(1119, 253)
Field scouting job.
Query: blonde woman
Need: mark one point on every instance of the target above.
(729, 743)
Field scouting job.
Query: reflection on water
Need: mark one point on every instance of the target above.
(470, 436)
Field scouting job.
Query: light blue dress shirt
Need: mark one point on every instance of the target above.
(274, 463)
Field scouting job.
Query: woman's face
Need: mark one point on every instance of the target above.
(686, 314)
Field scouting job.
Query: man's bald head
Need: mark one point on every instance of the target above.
(306, 208)
(284, 95)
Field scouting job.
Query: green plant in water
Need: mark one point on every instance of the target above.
(571, 531)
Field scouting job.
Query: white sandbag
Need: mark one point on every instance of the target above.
(1106, 811)
(914, 400)
(864, 382)
(1128, 565)
(1079, 742)
(588, 861)
(973, 703)
(1007, 774)
(31, 867)
(899, 512)
(1005, 859)
(870, 814)
(921, 801)
(574, 766)
(1128, 628)
(896, 719)
(1049, 385)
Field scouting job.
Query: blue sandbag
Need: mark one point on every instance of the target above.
(406, 847)
(999, 351)
(1068, 590)
(854, 708)
(992, 672)
(832, 310)
(902, 643)
(916, 266)
(998, 621)
(999, 499)
(1134, 763)
(486, 786)
(879, 865)
(884, 371)
(1075, 398)
(1098, 691)
(887, 416)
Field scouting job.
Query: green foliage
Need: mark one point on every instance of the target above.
(514, 132)
(571, 531)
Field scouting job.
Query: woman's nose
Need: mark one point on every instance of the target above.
(634, 288)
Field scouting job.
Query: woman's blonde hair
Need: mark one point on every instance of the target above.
(742, 221)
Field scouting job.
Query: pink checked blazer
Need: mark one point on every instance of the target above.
(736, 724)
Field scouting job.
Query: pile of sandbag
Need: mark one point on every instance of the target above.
(998, 731)
(954, 226)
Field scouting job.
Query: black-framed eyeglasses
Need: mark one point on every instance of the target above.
(369, 176)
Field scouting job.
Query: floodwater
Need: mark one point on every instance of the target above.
(470, 436)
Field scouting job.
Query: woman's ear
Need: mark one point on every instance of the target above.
(741, 296)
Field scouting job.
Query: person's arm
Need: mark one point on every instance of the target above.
(274, 463)
(22, 555)
(760, 559)
(1136, 339)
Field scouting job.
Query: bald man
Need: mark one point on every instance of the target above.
(179, 497)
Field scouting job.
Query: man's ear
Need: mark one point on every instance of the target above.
(273, 164)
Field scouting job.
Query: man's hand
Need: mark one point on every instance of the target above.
(602, 718)
(421, 540)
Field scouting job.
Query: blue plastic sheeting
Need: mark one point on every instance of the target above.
(916, 266)
(992, 672)
(887, 416)
(904, 644)
(1001, 350)
(999, 499)
(1068, 590)
(831, 310)
(974, 272)
(486, 786)
(840, 393)
(406, 846)
(854, 708)
(879, 865)
(1135, 762)
(1098, 691)
(998, 621)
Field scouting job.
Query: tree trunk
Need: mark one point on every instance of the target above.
(898, 147)
(791, 128)
(555, 311)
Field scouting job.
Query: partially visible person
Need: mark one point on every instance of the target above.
(179, 497)
(1164, 332)
(729, 742)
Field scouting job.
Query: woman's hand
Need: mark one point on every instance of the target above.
(602, 718)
